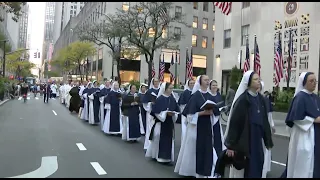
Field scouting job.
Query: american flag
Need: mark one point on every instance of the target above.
(153, 71)
(172, 77)
(290, 57)
(257, 65)
(246, 66)
(278, 63)
(164, 15)
(224, 6)
(189, 65)
(161, 68)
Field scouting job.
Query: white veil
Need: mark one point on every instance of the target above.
(89, 85)
(262, 87)
(112, 87)
(162, 89)
(241, 89)
(300, 83)
(196, 86)
(186, 86)
(142, 84)
(151, 85)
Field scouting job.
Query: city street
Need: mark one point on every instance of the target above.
(45, 140)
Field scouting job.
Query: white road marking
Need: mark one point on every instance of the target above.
(28, 98)
(281, 164)
(81, 147)
(98, 168)
(49, 165)
(20, 98)
(28, 94)
(54, 112)
(37, 98)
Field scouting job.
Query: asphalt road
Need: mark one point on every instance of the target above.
(34, 130)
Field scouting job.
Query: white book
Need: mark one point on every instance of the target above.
(174, 112)
(208, 105)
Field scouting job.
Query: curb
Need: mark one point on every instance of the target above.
(4, 101)
(275, 134)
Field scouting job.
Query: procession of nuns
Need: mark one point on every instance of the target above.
(242, 151)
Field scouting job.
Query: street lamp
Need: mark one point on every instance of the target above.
(4, 58)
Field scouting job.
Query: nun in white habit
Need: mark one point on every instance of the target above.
(85, 110)
(183, 100)
(147, 105)
(112, 121)
(303, 119)
(165, 110)
(93, 96)
(197, 156)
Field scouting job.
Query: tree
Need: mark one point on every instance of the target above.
(109, 33)
(73, 56)
(14, 8)
(147, 25)
(235, 77)
(16, 65)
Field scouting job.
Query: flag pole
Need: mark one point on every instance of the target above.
(176, 70)
(240, 58)
(187, 56)
(254, 53)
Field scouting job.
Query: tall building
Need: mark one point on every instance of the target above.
(64, 11)
(199, 36)
(23, 27)
(266, 20)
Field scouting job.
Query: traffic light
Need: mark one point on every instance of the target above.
(35, 55)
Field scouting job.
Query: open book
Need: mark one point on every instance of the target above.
(208, 105)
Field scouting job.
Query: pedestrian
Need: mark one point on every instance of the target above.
(183, 100)
(74, 100)
(248, 127)
(94, 103)
(104, 91)
(303, 119)
(85, 111)
(53, 90)
(47, 90)
(147, 102)
(112, 122)
(197, 156)
(81, 90)
(165, 111)
(131, 116)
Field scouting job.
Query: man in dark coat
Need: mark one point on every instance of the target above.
(47, 91)
(75, 100)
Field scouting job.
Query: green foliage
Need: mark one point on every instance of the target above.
(4, 37)
(136, 83)
(235, 77)
(283, 101)
(15, 65)
(2, 84)
(14, 8)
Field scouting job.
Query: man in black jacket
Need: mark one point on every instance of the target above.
(46, 93)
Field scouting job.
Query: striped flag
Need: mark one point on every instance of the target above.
(225, 7)
(257, 64)
(153, 71)
(290, 57)
(161, 68)
(164, 15)
(278, 63)
(246, 66)
(172, 77)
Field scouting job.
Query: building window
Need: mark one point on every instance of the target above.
(214, 9)
(204, 42)
(71, 7)
(227, 38)
(125, 6)
(195, 5)
(151, 32)
(194, 40)
(212, 43)
(245, 4)
(178, 12)
(205, 6)
(213, 26)
(75, 7)
(71, 12)
(177, 33)
(244, 34)
(204, 23)
(164, 33)
(195, 22)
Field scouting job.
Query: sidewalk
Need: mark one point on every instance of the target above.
(4, 101)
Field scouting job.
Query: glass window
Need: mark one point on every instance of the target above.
(205, 6)
(178, 12)
(177, 33)
(244, 34)
(204, 23)
(245, 4)
(195, 5)
(125, 6)
(195, 22)
(227, 38)
(151, 32)
(194, 40)
(204, 42)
